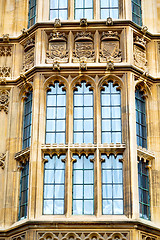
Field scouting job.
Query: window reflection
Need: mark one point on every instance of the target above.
(54, 184)
(112, 184)
(58, 9)
(83, 114)
(83, 185)
(109, 8)
(32, 13)
(27, 121)
(137, 12)
(84, 9)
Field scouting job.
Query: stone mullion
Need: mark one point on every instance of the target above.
(33, 173)
(132, 149)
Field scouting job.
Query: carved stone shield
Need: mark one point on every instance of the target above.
(140, 57)
(110, 49)
(84, 49)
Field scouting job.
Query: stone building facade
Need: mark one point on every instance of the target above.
(80, 120)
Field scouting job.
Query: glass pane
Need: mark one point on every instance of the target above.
(78, 177)
(88, 137)
(88, 176)
(106, 125)
(88, 3)
(116, 137)
(60, 112)
(88, 125)
(63, 14)
(115, 99)
(63, 3)
(53, 14)
(117, 176)
(58, 207)
(107, 191)
(78, 100)
(61, 100)
(107, 207)
(88, 206)
(51, 100)
(78, 14)
(118, 206)
(50, 137)
(78, 164)
(88, 191)
(117, 191)
(106, 137)
(107, 176)
(88, 100)
(116, 112)
(48, 191)
(59, 191)
(78, 125)
(78, 112)
(114, 13)
(53, 4)
(106, 112)
(88, 112)
(60, 138)
(116, 125)
(49, 176)
(48, 207)
(77, 207)
(51, 112)
(78, 137)
(78, 192)
(50, 125)
(78, 4)
(104, 13)
(104, 3)
(59, 176)
(105, 100)
(60, 125)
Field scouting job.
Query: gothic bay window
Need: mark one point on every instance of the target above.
(143, 185)
(32, 13)
(83, 9)
(109, 8)
(141, 127)
(112, 184)
(59, 9)
(56, 114)
(23, 198)
(83, 185)
(111, 114)
(27, 120)
(83, 121)
(137, 12)
(54, 184)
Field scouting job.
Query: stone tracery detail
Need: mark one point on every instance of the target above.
(22, 237)
(110, 47)
(29, 47)
(57, 48)
(147, 237)
(140, 53)
(84, 47)
(4, 100)
(5, 61)
(84, 236)
(5, 72)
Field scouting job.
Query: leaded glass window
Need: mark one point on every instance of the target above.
(109, 8)
(112, 184)
(84, 9)
(27, 121)
(54, 185)
(23, 199)
(111, 114)
(137, 12)
(56, 114)
(141, 129)
(83, 129)
(143, 185)
(83, 185)
(32, 13)
(59, 9)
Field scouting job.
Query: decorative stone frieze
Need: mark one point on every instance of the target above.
(84, 47)
(2, 160)
(110, 47)
(83, 235)
(57, 48)
(29, 48)
(4, 100)
(140, 53)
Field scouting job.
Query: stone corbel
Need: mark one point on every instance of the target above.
(56, 66)
(145, 154)
(2, 160)
(109, 21)
(53, 149)
(24, 32)
(6, 38)
(83, 65)
(22, 157)
(144, 29)
(112, 148)
(110, 65)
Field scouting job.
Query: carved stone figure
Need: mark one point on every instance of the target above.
(110, 47)
(84, 47)
(140, 53)
(28, 54)
(4, 100)
(57, 49)
(57, 23)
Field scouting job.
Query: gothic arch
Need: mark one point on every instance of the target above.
(117, 81)
(56, 78)
(83, 78)
(144, 88)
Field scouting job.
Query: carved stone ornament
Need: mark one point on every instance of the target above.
(140, 53)
(2, 80)
(83, 65)
(5, 72)
(29, 47)
(144, 29)
(24, 31)
(57, 23)
(21, 237)
(83, 235)
(57, 49)
(5, 37)
(22, 157)
(56, 66)
(2, 160)
(84, 47)
(109, 21)
(110, 47)
(110, 64)
(83, 22)
(146, 237)
(5, 51)
(4, 100)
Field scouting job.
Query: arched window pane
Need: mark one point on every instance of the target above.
(143, 184)
(58, 9)
(111, 114)
(56, 115)
(109, 8)
(83, 185)
(54, 184)
(83, 115)
(27, 121)
(112, 185)
(32, 13)
(23, 198)
(137, 12)
(141, 129)
(84, 9)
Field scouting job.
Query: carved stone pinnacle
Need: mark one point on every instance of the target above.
(83, 22)
(109, 21)
(5, 37)
(56, 66)
(57, 23)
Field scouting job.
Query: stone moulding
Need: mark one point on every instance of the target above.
(83, 47)
(145, 154)
(22, 157)
(4, 100)
(110, 47)
(57, 48)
